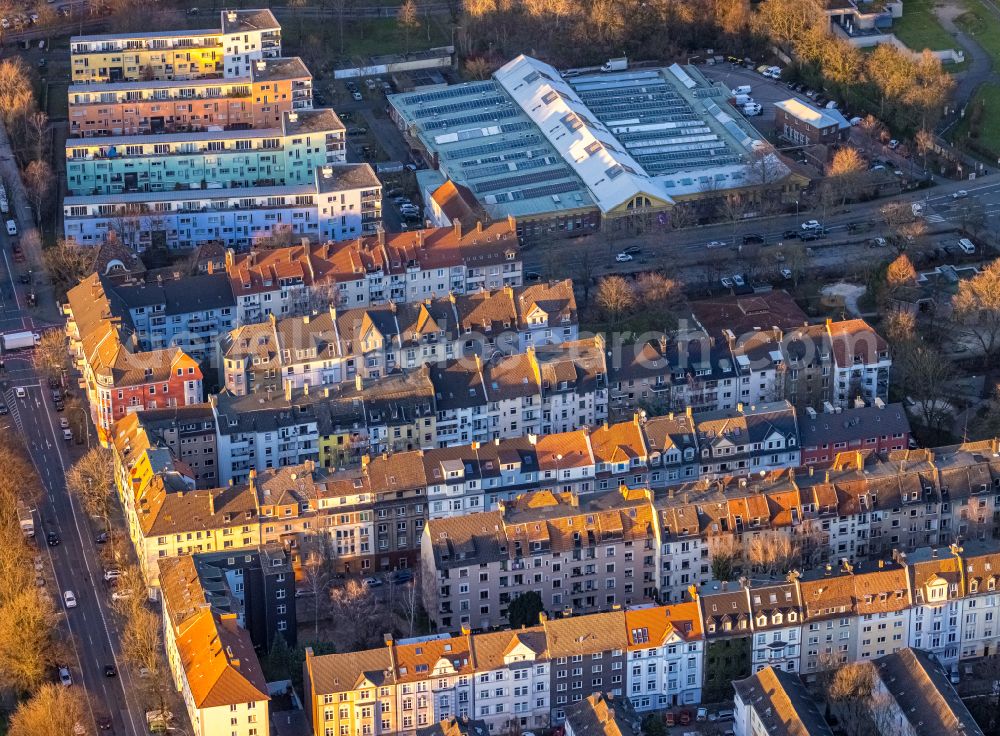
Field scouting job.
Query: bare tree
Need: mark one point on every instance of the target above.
(39, 181)
(316, 576)
(977, 307)
(408, 18)
(849, 696)
(51, 710)
(16, 94)
(50, 356)
(359, 618)
(724, 551)
(926, 374)
(67, 264)
(37, 126)
(772, 552)
(846, 171)
(91, 480)
(615, 297)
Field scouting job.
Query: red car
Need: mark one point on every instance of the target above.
(684, 717)
(18, 253)
(669, 718)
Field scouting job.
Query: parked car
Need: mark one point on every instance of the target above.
(727, 283)
(753, 238)
(790, 234)
(811, 225)
(786, 274)
(715, 244)
(65, 677)
(371, 582)
(632, 250)
(738, 280)
(960, 194)
(356, 96)
(623, 258)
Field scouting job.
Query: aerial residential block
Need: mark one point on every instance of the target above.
(287, 155)
(237, 218)
(242, 37)
(259, 100)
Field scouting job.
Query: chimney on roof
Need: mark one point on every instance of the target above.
(688, 412)
(327, 172)
(305, 388)
(326, 392)
(252, 480)
(211, 267)
(231, 16)
(380, 234)
(826, 478)
(542, 617)
(739, 407)
(479, 226)
(881, 564)
(288, 390)
(293, 117)
(457, 227)
(358, 383)
(261, 65)
(211, 504)
(230, 257)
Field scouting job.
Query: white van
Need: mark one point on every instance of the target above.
(967, 246)
(743, 89)
(752, 109)
(11, 228)
(743, 100)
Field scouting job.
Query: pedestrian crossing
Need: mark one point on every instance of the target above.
(934, 218)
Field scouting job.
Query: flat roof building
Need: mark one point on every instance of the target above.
(243, 36)
(569, 152)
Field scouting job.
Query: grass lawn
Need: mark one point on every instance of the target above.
(919, 27)
(375, 37)
(982, 25)
(989, 131)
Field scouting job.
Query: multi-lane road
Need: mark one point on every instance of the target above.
(90, 628)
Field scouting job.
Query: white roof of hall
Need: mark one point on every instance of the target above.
(584, 142)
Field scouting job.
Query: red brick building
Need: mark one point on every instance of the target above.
(880, 429)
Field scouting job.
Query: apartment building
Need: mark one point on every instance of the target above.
(779, 355)
(578, 554)
(602, 715)
(120, 379)
(529, 678)
(776, 614)
(336, 345)
(861, 362)
(665, 654)
(776, 701)
(211, 657)
(879, 428)
(342, 201)
(748, 440)
(274, 86)
(187, 432)
(513, 679)
(727, 622)
(370, 270)
(230, 50)
(288, 154)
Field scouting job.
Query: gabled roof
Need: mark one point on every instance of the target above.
(924, 694)
(782, 704)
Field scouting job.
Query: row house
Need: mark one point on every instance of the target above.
(747, 440)
(335, 345)
(229, 50)
(664, 656)
(274, 86)
(211, 658)
(187, 432)
(779, 355)
(879, 428)
(529, 678)
(331, 425)
(578, 554)
(285, 155)
(370, 270)
(338, 201)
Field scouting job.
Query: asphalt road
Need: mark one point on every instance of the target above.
(687, 248)
(90, 627)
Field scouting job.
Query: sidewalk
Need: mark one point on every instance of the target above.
(47, 312)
